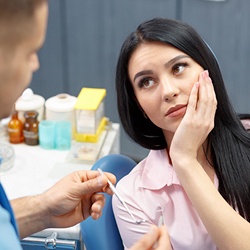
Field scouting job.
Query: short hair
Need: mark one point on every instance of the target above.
(228, 143)
(16, 20)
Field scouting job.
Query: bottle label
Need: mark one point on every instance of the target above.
(13, 130)
(30, 134)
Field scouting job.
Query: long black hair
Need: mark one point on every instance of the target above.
(228, 142)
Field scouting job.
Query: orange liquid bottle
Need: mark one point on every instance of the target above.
(15, 129)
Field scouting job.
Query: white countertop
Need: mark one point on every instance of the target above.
(36, 169)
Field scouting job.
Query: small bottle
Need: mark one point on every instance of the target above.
(15, 129)
(30, 128)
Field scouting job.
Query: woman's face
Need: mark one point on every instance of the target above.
(162, 78)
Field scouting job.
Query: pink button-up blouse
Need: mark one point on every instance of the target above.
(151, 191)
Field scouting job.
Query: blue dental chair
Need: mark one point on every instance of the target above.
(103, 234)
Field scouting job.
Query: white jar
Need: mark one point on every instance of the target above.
(29, 101)
(61, 108)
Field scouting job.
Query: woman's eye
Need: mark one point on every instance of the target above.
(146, 83)
(179, 68)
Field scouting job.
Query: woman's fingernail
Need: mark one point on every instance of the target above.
(197, 85)
(204, 74)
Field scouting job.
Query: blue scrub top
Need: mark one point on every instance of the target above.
(9, 238)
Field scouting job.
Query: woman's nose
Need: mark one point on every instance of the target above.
(169, 89)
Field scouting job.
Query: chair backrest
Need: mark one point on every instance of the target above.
(103, 234)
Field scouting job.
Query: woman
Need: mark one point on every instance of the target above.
(172, 100)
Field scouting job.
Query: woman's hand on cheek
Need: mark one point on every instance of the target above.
(198, 121)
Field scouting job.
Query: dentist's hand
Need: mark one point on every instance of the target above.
(70, 201)
(76, 197)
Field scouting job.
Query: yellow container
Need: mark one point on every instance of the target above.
(90, 98)
(92, 137)
(89, 114)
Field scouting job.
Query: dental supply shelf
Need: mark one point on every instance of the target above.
(35, 170)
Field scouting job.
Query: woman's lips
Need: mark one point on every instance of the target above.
(176, 111)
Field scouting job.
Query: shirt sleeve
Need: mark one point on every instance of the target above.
(8, 236)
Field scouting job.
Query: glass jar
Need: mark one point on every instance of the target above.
(7, 157)
(30, 129)
(15, 129)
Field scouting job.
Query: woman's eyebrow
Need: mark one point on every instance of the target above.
(167, 65)
(174, 60)
(143, 72)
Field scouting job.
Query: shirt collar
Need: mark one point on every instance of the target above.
(157, 171)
